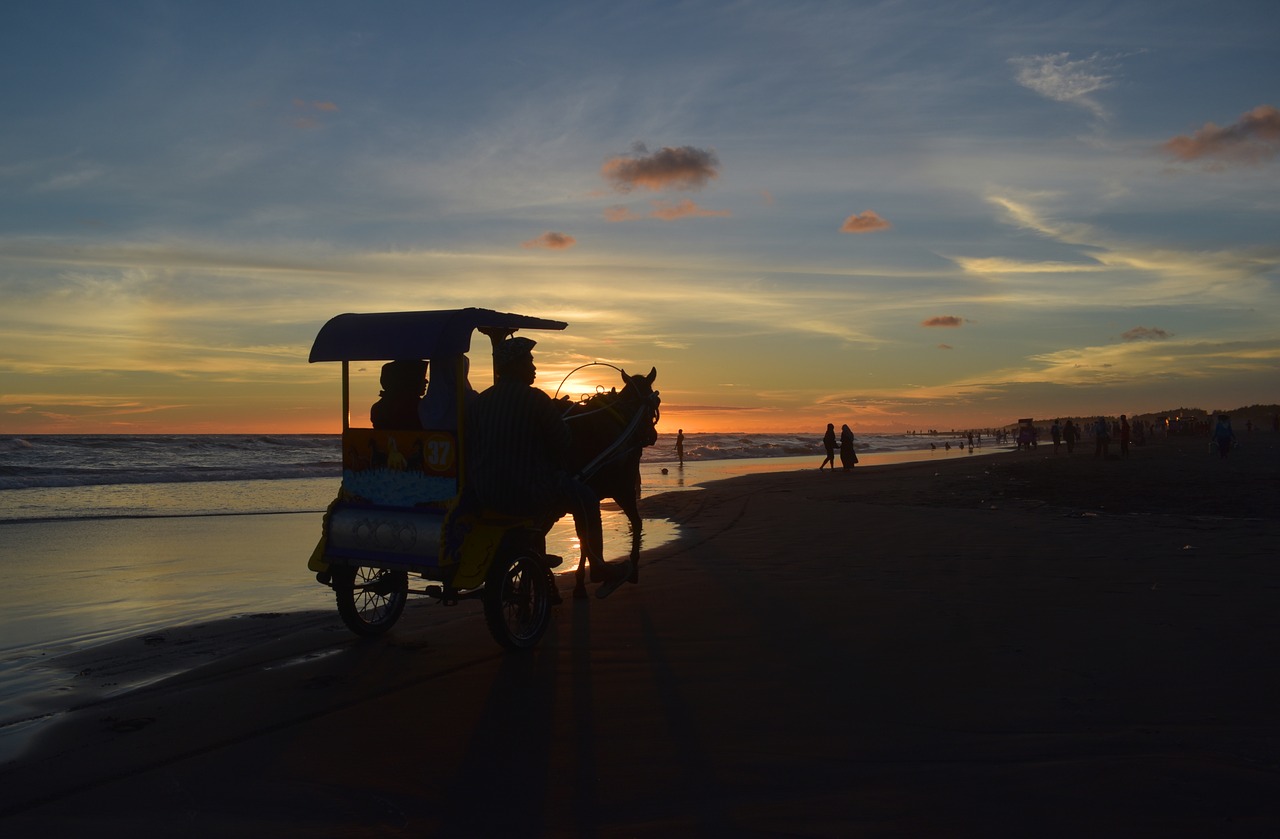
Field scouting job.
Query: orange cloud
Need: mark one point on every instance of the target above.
(305, 120)
(551, 240)
(945, 347)
(1255, 137)
(671, 212)
(943, 320)
(667, 168)
(864, 222)
(619, 213)
(303, 105)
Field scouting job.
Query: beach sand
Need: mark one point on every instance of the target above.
(1015, 645)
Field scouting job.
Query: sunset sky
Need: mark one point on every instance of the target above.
(900, 215)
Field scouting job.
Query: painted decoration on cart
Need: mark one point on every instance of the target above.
(399, 468)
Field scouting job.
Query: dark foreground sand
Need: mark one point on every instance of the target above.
(1014, 645)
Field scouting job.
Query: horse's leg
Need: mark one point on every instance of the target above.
(584, 528)
(631, 507)
(579, 578)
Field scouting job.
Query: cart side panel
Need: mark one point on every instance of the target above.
(392, 537)
(413, 470)
(396, 489)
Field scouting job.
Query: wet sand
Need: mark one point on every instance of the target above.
(1007, 645)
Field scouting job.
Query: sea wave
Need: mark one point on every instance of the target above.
(70, 461)
(36, 461)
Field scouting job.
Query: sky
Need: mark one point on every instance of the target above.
(899, 215)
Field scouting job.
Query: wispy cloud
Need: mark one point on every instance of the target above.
(867, 221)
(671, 211)
(70, 179)
(619, 213)
(992, 266)
(1167, 272)
(304, 111)
(551, 240)
(664, 210)
(1058, 77)
(684, 209)
(1252, 139)
(668, 168)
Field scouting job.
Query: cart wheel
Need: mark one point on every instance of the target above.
(517, 601)
(370, 600)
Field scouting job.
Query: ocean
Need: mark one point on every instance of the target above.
(117, 539)
(57, 477)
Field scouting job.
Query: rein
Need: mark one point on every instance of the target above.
(628, 434)
(619, 446)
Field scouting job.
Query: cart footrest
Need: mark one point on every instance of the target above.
(450, 598)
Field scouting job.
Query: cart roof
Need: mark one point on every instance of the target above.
(381, 336)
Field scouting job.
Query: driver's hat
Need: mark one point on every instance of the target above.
(513, 349)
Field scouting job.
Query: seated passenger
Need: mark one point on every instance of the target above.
(439, 408)
(403, 383)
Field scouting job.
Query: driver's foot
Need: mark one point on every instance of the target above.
(615, 575)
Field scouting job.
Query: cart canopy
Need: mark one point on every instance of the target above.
(381, 336)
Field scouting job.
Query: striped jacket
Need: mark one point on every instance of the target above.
(517, 442)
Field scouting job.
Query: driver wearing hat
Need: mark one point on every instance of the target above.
(519, 453)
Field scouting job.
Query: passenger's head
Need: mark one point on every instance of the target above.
(513, 359)
(404, 376)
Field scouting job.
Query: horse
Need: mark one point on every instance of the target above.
(610, 430)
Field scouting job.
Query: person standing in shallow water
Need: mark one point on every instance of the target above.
(848, 457)
(680, 445)
(829, 443)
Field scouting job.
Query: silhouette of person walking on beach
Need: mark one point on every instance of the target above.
(680, 445)
(1223, 436)
(1055, 431)
(1101, 438)
(1070, 433)
(1124, 436)
(829, 443)
(848, 457)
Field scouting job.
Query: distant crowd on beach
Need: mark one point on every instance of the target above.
(1105, 431)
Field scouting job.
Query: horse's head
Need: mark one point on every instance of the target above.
(640, 387)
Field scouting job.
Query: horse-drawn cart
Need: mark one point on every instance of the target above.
(400, 511)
